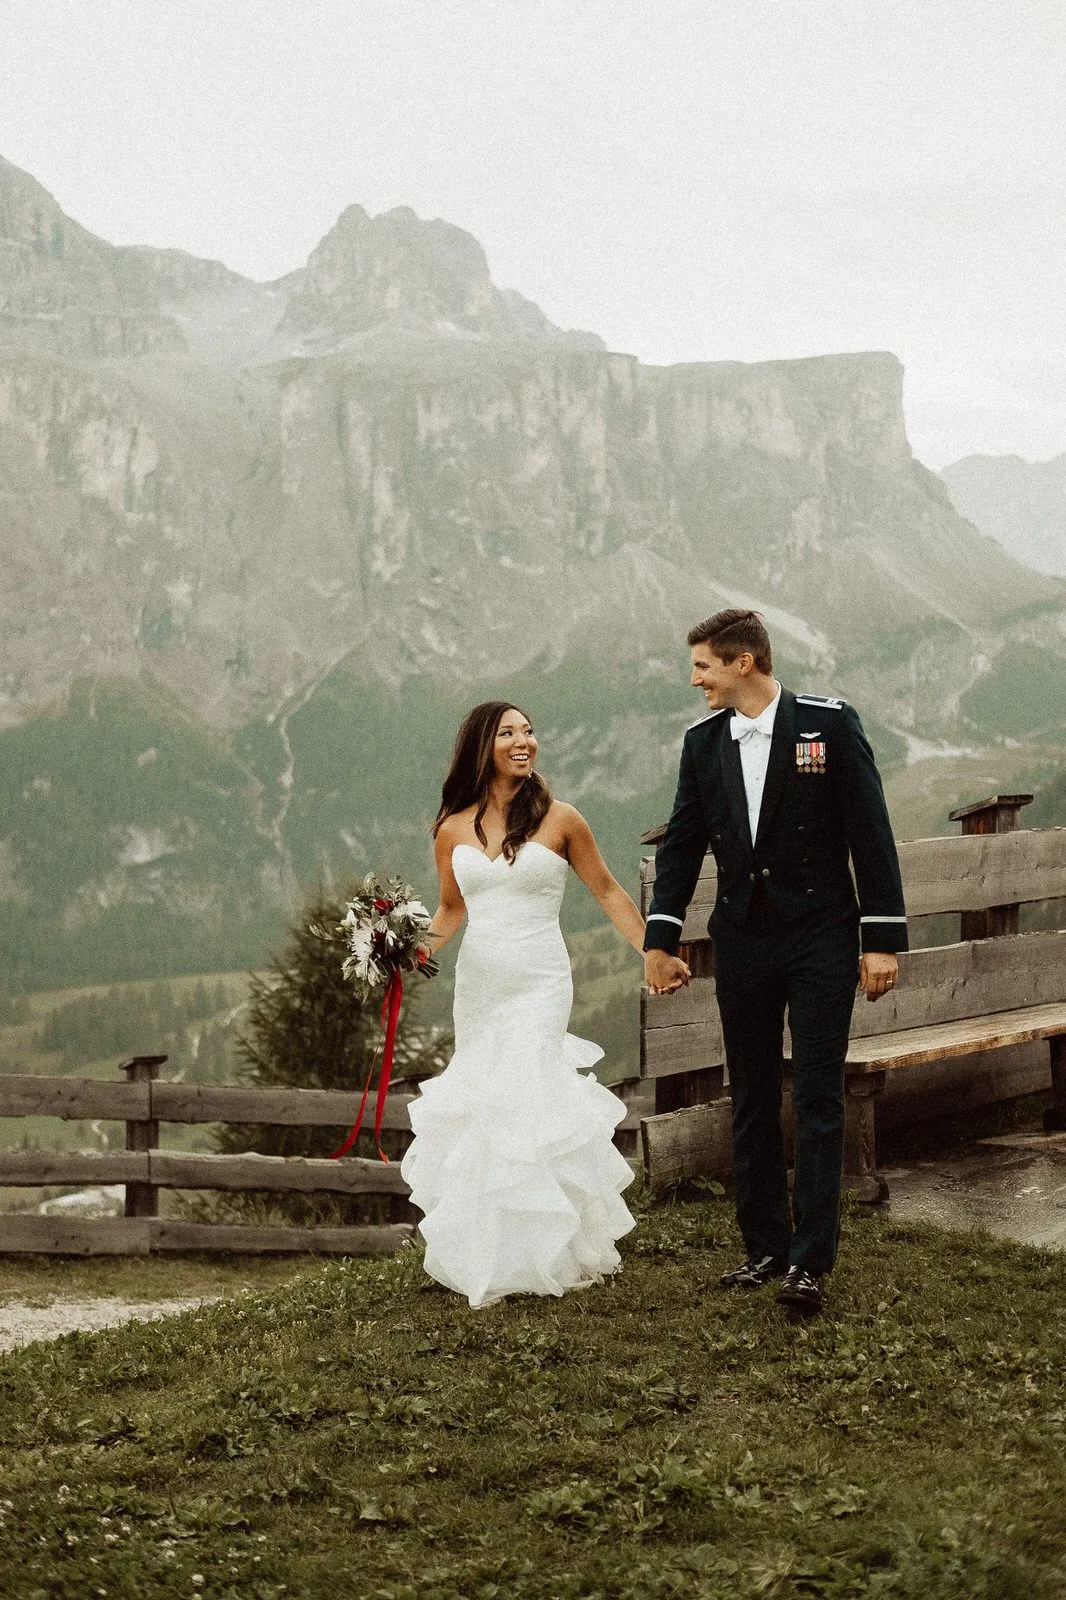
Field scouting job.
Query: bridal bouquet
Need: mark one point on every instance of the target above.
(385, 929)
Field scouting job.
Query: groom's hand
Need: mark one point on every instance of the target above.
(878, 972)
(664, 973)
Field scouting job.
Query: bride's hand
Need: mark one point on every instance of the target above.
(664, 973)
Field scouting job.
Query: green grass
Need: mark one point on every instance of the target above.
(361, 1432)
(40, 1280)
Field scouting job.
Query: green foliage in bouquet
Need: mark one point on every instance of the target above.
(307, 1027)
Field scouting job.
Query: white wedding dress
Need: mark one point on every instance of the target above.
(512, 1161)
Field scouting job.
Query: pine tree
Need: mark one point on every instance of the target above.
(306, 1027)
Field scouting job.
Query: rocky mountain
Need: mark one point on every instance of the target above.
(263, 543)
(1022, 504)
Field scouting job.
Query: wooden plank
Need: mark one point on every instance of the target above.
(695, 1142)
(74, 1236)
(688, 1047)
(236, 1239)
(949, 982)
(975, 871)
(304, 1174)
(37, 1168)
(971, 872)
(917, 1045)
(73, 1099)
(289, 1108)
(696, 1003)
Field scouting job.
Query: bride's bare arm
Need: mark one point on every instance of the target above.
(584, 856)
(448, 917)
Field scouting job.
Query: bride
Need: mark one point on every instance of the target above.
(512, 1161)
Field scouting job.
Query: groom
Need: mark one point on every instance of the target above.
(783, 789)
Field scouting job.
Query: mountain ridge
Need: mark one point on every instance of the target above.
(282, 534)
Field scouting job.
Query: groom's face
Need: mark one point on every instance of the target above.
(721, 681)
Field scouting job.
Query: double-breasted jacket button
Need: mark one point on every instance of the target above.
(766, 872)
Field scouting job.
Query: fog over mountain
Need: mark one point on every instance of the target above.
(263, 543)
(1022, 504)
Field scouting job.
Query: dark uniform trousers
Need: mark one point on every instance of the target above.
(762, 970)
(786, 928)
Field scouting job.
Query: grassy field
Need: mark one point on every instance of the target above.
(360, 1432)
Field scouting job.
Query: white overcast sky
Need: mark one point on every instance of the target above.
(725, 180)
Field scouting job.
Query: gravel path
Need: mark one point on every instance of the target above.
(22, 1324)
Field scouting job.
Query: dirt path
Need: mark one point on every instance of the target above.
(22, 1323)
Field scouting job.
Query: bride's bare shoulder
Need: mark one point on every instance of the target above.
(563, 812)
(565, 820)
(451, 830)
(458, 820)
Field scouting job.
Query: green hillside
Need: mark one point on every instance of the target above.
(136, 844)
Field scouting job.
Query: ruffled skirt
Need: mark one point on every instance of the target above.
(514, 1167)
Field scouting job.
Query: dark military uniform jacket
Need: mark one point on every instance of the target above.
(822, 804)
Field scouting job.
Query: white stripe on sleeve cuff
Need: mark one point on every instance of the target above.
(661, 916)
(882, 919)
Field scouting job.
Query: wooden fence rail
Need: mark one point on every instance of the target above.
(143, 1102)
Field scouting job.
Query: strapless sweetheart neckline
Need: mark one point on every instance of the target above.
(492, 860)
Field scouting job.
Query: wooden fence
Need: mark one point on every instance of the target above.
(143, 1101)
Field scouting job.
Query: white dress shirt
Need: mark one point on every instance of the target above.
(753, 735)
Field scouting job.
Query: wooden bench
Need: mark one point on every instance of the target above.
(993, 988)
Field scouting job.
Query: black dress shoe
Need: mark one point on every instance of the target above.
(753, 1274)
(801, 1291)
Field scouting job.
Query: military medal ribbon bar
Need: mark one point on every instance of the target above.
(810, 755)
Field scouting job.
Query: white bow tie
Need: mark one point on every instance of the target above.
(743, 727)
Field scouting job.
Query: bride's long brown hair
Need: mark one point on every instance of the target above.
(470, 777)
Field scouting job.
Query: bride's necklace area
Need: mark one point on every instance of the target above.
(493, 822)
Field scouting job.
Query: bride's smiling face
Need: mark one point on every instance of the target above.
(515, 748)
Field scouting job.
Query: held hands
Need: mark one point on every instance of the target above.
(664, 973)
(878, 972)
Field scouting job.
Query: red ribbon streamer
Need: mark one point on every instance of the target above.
(390, 1016)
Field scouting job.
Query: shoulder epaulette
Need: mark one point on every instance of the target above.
(831, 701)
(708, 718)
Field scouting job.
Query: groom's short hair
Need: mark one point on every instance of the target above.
(730, 633)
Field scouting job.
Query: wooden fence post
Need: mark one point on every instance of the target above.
(997, 814)
(142, 1199)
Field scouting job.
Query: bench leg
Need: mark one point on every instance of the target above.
(861, 1176)
(1055, 1117)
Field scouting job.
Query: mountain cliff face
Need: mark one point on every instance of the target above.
(1022, 504)
(264, 542)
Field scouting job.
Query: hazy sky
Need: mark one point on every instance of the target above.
(731, 179)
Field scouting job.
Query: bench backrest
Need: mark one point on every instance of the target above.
(683, 1033)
